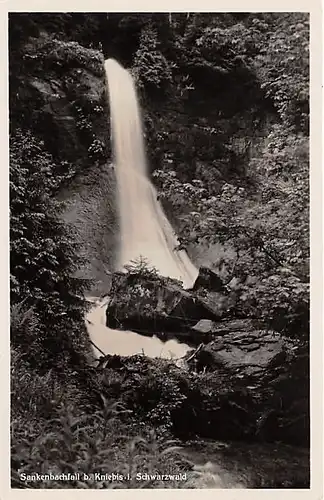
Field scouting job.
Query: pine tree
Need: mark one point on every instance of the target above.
(42, 254)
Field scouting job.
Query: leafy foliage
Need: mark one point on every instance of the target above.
(54, 77)
(53, 433)
(53, 54)
(113, 438)
(42, 257)
(83, 28)
(97, 151)
(268, 228)
(283, 67)
(152, 70)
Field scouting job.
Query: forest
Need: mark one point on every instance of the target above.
(225, 108)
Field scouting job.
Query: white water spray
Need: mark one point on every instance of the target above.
(144, 228)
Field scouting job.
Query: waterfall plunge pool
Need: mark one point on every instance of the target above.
(127, 343)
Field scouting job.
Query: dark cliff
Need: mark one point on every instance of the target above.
(58, 91)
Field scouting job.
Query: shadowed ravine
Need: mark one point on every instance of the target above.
(160, 251)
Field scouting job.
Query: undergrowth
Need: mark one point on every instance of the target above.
(54, 432)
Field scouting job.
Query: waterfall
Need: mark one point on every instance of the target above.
(144, 228)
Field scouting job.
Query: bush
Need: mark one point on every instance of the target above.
(97, 151)
(141, 269)
(56, 54)
(100, 442)
(267, 227)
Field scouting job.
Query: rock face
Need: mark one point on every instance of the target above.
(63, 86)
(91, 213)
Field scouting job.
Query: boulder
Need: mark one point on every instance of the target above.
(152, 305)
(209, 280)
(247, 352)
(206, 326)
(270, 372)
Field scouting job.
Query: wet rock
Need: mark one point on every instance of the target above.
(152, 305)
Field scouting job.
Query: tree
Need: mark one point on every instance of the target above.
(42, 255)
(282, 65)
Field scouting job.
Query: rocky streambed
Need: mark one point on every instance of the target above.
(239, 382)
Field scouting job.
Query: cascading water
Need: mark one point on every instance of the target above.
(144, 228)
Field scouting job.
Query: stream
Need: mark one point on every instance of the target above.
(127, 343)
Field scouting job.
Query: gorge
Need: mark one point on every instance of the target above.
(167, 221)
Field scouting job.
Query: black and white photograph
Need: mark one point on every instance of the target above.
(159, 168)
